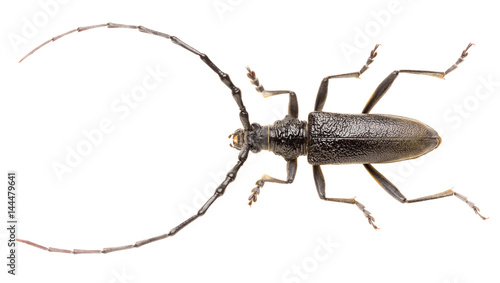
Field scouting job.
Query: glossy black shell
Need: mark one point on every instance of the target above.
(335, 138)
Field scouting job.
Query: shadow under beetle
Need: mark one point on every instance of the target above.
(325, 138)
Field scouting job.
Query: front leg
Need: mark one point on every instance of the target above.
(291, 169)
(293, 105)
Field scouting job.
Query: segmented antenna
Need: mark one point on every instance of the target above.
(231, 175)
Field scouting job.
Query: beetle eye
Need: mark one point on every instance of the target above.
(235, 140)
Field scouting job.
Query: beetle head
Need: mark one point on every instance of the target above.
(256, 138)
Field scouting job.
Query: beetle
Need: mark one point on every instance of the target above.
(325, 138)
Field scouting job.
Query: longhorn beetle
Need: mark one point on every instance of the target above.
(325, 138)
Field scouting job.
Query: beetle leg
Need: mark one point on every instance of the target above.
(393, 191)
(293, 105)
(291, 169)
(319, 179)
(387, 82)
(323, 88)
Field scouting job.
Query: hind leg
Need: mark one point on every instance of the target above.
(387, 82)
(395, 193)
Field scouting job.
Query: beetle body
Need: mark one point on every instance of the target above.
(366, 138)
(337, 138)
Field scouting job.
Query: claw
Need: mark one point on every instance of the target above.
(468, 202)
(253, 197)
(476, 210)
(367, 214)
(465, 53)
(250, 74)
(373, 53)
(371, 220)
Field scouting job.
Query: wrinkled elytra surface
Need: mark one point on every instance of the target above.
(360, 138)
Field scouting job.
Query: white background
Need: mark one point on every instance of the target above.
(150, 172)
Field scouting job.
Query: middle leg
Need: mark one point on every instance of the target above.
(323, 88)
(319, 179)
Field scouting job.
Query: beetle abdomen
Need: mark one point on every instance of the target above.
(366, 138)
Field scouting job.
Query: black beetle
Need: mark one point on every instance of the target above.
(325, 138)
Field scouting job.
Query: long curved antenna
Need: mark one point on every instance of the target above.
(236, 92)
(231, 175)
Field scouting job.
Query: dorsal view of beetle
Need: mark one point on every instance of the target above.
(325, 138)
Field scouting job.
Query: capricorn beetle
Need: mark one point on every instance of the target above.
(325, 138)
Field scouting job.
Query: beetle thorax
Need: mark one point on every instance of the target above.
(288, 138)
